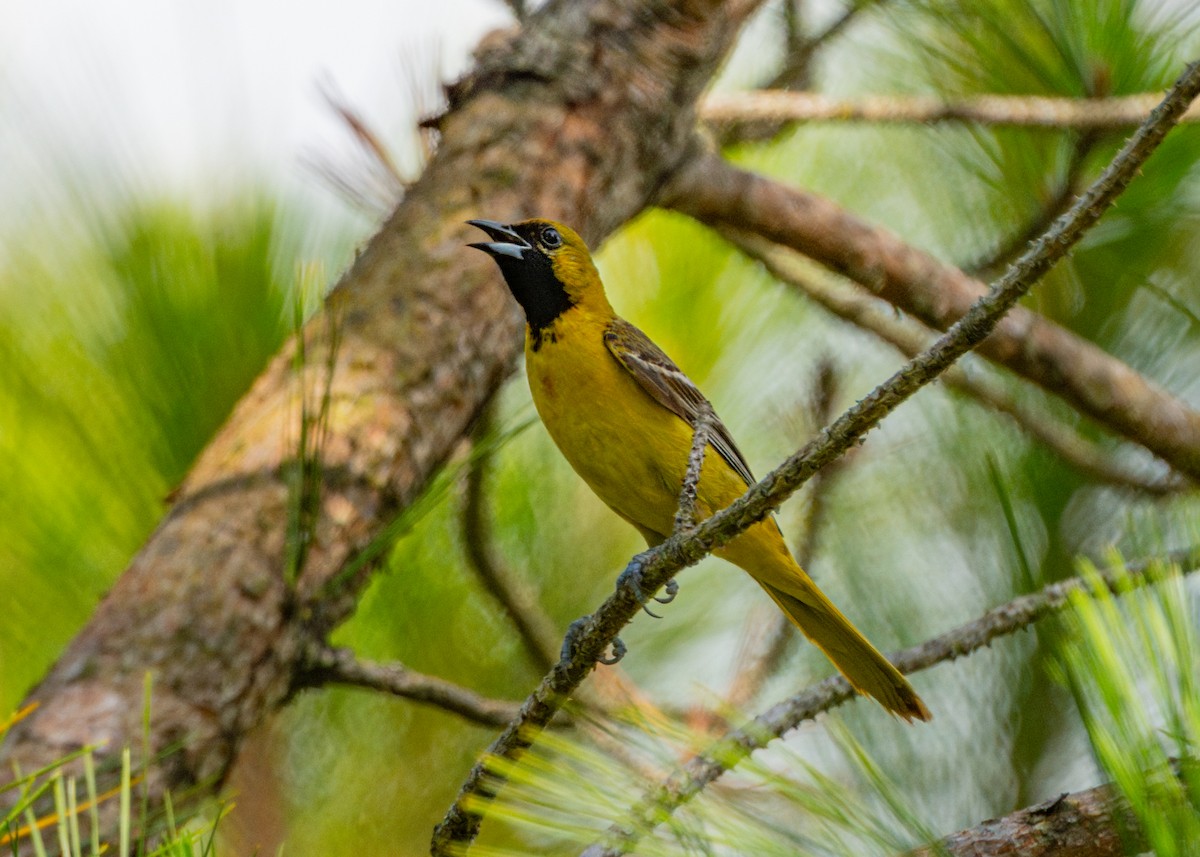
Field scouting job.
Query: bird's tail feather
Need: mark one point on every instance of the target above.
(861, 663)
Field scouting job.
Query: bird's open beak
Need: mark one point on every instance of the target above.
(506, 243)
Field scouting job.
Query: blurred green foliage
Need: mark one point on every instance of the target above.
(124, 349)
(1131, 663)
(129, 328)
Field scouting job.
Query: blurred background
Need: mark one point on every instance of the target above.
(168, 209)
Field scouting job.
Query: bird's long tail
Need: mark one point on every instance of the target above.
(860, 662)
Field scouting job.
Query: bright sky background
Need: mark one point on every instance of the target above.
(178, 88)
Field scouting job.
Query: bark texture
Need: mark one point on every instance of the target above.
(580, 116)
(1092, 823)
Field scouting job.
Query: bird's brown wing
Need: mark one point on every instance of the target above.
(658, 375)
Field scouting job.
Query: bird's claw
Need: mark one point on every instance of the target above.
(632, 579)
(571, 644)
(618, 652)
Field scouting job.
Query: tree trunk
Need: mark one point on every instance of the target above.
(580, 116)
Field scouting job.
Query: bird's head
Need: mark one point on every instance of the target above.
(547, 267)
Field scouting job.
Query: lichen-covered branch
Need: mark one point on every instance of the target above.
(685, 516)
(664, 798)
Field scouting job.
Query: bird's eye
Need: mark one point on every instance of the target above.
(551, 238)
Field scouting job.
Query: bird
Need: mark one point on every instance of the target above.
(623, 414)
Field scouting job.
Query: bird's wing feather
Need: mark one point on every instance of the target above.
(658, 375)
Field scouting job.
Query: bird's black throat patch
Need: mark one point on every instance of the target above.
(539, 292)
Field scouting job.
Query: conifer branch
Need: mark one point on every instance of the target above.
(328, 665)
(537, 631)
(663, 799)
(776, 107)
(461, 823)
(969, 376)
(1094, 382)
(1098, 822)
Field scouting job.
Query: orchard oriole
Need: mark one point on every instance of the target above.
(622, 413)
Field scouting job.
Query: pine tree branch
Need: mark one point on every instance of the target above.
(970, 376)
(537, 631)
(1097, 822)
(663, 799)
(775, 108)
(328, 665)
(594, 634)
(1094, 382)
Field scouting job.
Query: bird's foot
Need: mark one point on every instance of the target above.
(618, 652)
(571, 644)
(670, 590)
(633, 579)
(571, 640)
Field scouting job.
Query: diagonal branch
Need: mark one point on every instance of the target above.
(663, 799)
(328, 665)
(461, 823)
(970, 376)
(537, 631)
(1097, 822)
(1092, 381)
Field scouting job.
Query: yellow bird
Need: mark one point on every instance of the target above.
(622, 413)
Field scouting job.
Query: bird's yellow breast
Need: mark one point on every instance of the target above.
(630, 450)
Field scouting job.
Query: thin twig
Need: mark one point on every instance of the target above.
(374, 184)
(537, 631)
(461, 823)
(1052, 208)
(663, 799)
(518, 8)
(685, 515)
(796, 71)
(777, 107)
(779, 633)
(971, 376)
(328, 665)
